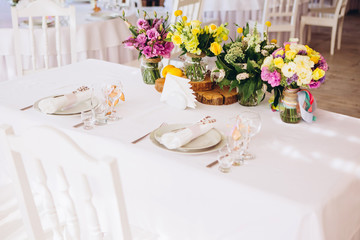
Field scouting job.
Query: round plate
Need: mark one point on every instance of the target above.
(208, 142)
(105, 15)
(75, 110)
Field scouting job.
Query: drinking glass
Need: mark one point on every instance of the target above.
(99, 105)
(225, 159)
(252, 123)
(113, 92)
(88, 119)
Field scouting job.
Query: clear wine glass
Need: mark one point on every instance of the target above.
(252, 122)
(113, 92)
(236, 140)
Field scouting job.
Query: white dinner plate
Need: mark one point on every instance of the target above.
(74, 110)
(38, 22)
(208, 142)
(104, 15)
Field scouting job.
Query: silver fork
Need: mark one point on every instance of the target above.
(141, 138)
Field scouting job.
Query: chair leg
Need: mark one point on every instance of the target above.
(308, 34)
(302, 25)
(341, 24)
(333, 38)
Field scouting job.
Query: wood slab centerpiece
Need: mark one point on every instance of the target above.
(206, 92)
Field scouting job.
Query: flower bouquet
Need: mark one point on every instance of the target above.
(290, 68)
(197, 42)
(149, 38)
(239, 66)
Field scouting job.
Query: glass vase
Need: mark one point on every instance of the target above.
(289, 106)
(195, 67)
(150, 69)
(253, 100)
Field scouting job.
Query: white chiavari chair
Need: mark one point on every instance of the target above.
(332, 17)
(49, 166)
(34, 12)
(282, 14)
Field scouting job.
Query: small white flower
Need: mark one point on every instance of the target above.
(297, 47)
(267, 61)
(288, 69)
(257, 48)
(264, 52)
(242, 76)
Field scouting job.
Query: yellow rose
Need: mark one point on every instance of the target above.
(290, 54)
(176, 39)
(268, 23)
(279, 62)
(240, 30)
(287, 47)
(215, 48)
(318, 73)
(274, 41)
(192, 44)
(225, 37)
(178, 13)
(308, 50)
(195, 31)
(184, 18)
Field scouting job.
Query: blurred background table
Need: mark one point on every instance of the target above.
(97, 37)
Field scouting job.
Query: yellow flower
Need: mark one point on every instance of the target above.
(195, 31)
(268, 23)
(192, 44)
(274, 41)
(206, 28)
(290, 54)
(279, 62)
(176, 39)
(315, 58)
(188, 24)
(225, 37)
(178, 13)
(308, 50)
(287, 47)
(240, 30)
(215, 48)
(212, 28)
(195, 23)
(318, 73)
(184, 18)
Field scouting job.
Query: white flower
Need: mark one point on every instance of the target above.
(297, 47)
(264, 53)
(303, 61)
(269, 47)
(304, 75)
(288, 69)
(257, 48)
(242, 76)
(267, 61)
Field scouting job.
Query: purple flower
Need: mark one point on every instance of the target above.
(163, 48)
(292, 79)
(302, 52)
(321, 80)
(140, 41)
(314, 84)
(143, 24)
(148, 52)
(152, 34)
(157, 22)
(323, 64)
(129, 43)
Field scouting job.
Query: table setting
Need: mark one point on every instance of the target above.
(208, 170)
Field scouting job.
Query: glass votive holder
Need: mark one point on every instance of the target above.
(237, 151)
(225, 160)
(88, 119)
(100, 114)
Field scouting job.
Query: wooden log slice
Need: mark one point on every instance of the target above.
(217, 96)
(196, 86)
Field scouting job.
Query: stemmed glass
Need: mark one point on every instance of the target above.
(113, 92)
(236, 140)
(252, 122)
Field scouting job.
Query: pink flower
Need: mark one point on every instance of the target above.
(273, 78)
(141, 41)
(143, 24)
(152, 34)
(314, 84)
(148, 52)
(129, 43)
(323, 64)
(157, 22)
(163, 48)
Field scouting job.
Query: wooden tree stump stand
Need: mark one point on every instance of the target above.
(206, 92)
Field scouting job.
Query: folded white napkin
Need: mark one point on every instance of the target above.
(51, 105)
(176, 139)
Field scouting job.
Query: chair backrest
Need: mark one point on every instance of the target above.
(192, 9)
(340, 10)
(282, 14)
(63, 178)
(40, 12)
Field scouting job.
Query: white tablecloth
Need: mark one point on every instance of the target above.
(96, 38)
(303, 185)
